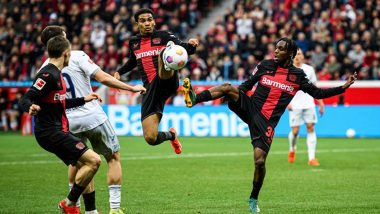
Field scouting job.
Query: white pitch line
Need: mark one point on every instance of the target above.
(195, 155)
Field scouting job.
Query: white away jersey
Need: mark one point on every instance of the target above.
(303, 100)
(77, 76)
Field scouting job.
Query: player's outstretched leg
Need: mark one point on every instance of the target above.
(114, 178)
(225, 90)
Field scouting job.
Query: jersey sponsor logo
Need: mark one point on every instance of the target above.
(154, 52)
(39, 84)
(156, 41)
(266, 81)
(80, 145)
(58, 96)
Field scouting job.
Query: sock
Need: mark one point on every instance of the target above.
(163, 136)
(89, 201)
(203, 96)
(256, 189)
(78, 202)
(75, 193)
(115, 196)
(292, 142)
(311, 144)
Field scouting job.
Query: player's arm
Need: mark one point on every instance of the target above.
(112, 82)
(320, 93)
(129, 65)
(75, 102)
(252, 79)
(321, 106)
(41, 86)
(190, 46)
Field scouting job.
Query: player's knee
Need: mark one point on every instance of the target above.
(227, 87)
(310, 129)
(260, 163)
(95, 162)
(150, 139)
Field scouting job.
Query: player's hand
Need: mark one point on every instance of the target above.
(193, 42)
(139, 88)
(34, 109)
(350, 81)
(92, 96)
(117, 75)
(290, 107)
(321, 109)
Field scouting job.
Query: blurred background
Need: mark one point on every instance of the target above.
(338, 38)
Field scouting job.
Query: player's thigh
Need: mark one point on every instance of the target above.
(150, 124)
(162, 73)
(90, 158)
(104, 140)
(310, 116)
(296, 117)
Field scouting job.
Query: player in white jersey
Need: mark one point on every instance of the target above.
(90, 121)
(302, 110)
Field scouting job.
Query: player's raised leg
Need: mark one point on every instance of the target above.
(154, 137)
(225, 90)
(162, 72)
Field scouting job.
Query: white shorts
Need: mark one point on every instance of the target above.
(103, 139)
(298, 117)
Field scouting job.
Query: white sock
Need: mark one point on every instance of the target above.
(292, 142)
(78, 202)
(91, 212)
(115, 196)
(311, 144)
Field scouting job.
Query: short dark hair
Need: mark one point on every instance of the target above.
(50, 32)
(57, 45)
(142, 11)
(291, 46)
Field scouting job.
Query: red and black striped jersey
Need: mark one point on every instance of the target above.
(276, 86)
(144, 52)
(49, 92)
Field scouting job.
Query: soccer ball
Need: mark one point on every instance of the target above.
(174, 57)
(350, 133)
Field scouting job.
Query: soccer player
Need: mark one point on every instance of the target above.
(46, 99)
(145, 53)
(277, 83)
(302, 110)
(90, 121)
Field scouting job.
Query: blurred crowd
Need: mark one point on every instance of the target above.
(100, 28)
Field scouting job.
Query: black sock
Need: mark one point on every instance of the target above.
(256, 189)
(75, 192)
(163, 136)
(203, 96)
(89, 201)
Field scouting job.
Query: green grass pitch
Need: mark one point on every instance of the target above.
(212, 175)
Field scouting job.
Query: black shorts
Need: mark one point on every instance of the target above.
(157, 93)
(64, 145)
(260, 129)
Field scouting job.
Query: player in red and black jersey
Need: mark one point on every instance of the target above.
(277, 80)
(46, 99)
(145, 52)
